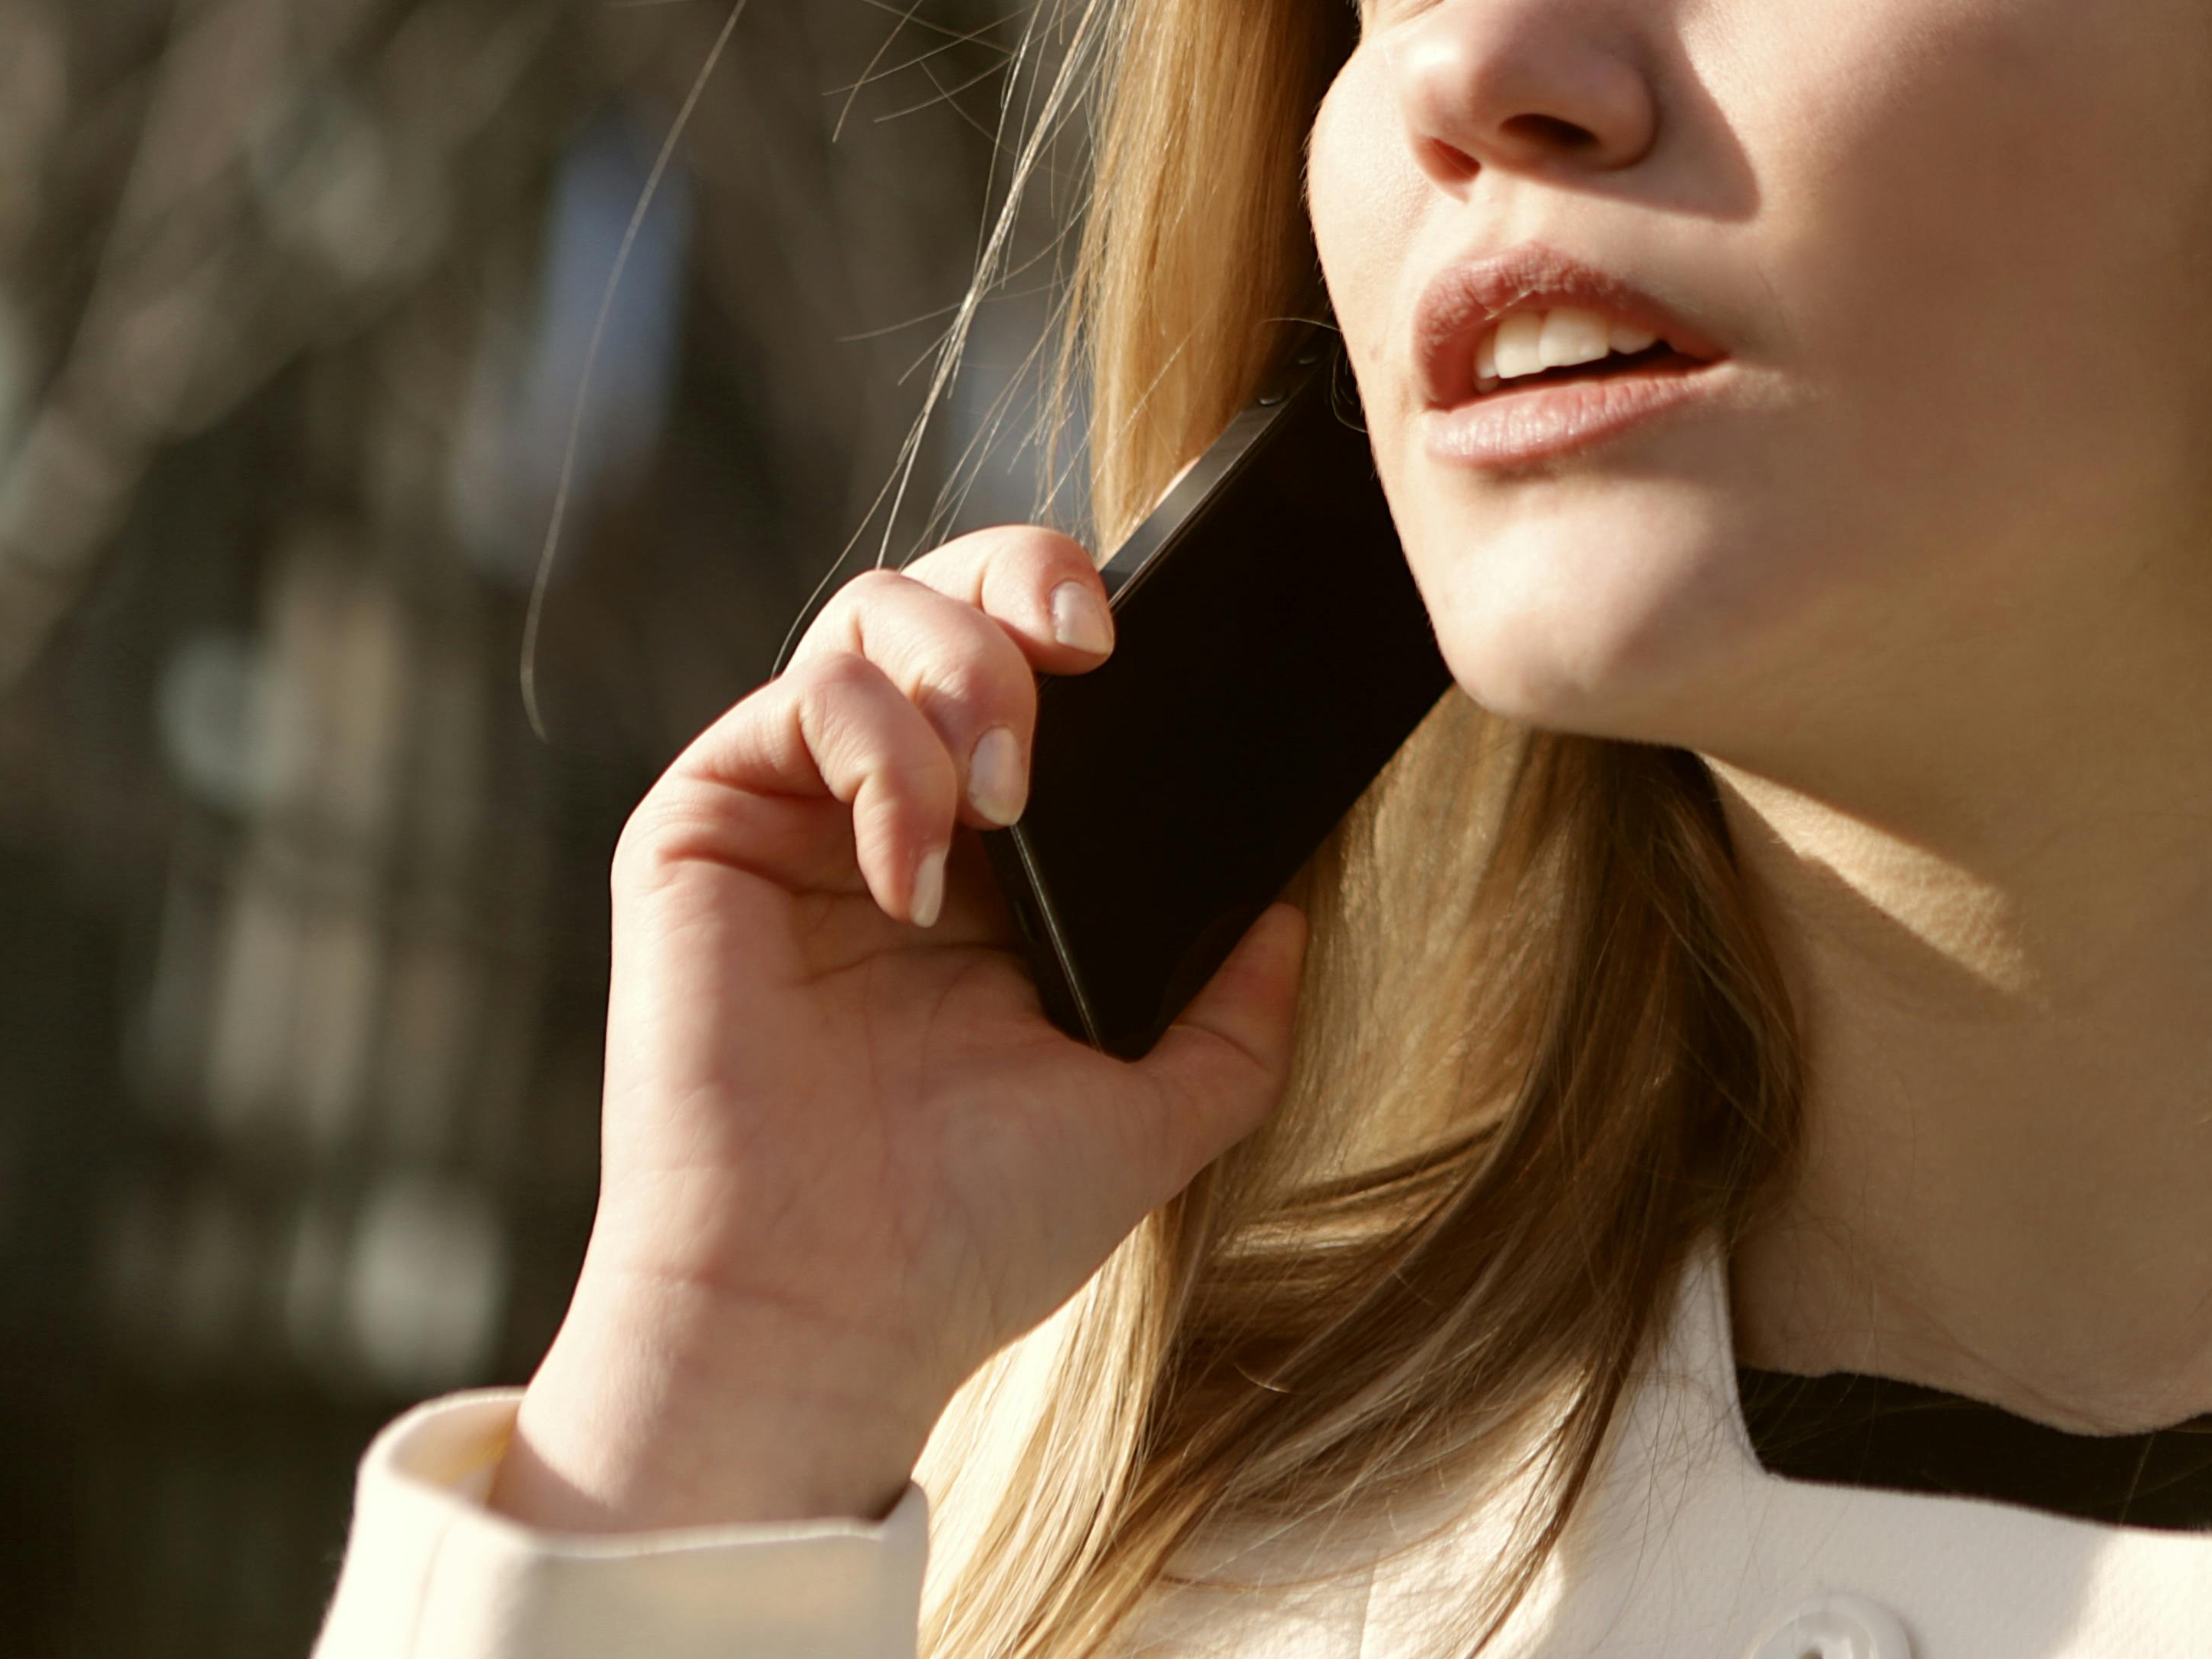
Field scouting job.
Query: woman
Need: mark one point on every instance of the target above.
(1781, 956)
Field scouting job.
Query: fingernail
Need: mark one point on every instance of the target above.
(929, 887)
(994, 777)
(1080, 618)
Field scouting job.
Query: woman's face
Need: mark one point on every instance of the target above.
(1957, 254)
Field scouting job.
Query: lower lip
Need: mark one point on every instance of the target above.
(1503, 428)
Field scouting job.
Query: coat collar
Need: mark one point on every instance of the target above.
(1684, 1547)
(1688, 1546)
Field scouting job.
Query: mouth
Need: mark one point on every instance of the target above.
(1537, 316)
(1534, 357)
(1659, 360)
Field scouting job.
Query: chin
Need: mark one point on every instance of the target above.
(1612, 627)
(1548, 651)
(1537, 680)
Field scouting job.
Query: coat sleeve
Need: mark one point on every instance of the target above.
(430, 1570)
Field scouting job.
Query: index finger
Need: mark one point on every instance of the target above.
(1037, 584)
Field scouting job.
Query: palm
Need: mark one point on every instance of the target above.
(884, 1097)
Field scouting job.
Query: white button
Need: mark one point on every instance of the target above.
(1837, 1627)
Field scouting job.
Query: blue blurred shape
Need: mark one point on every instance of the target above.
(509, 459)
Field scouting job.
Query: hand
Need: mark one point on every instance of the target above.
(847, 1158)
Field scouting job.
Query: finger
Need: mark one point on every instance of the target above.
(959, 668)
(1038, 585)
(835, 726)
(802, 843)
(840, 929)
(1219, 1070)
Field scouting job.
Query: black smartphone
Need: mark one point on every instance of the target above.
(1271, 654)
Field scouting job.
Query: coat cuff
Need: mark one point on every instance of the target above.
(430, 1569)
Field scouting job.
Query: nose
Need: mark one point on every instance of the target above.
(1528, 85)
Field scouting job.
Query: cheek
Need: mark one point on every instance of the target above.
(1981, 222)
(1969, 282)
(1363, 196)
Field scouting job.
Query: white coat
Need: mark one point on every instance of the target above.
(1684, 1547)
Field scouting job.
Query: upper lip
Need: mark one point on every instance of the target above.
(1462, 300)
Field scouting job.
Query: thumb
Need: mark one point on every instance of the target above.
(1219, 1070)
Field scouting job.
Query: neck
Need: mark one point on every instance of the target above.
(2003, 969)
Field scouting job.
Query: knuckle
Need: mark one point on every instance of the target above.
(840, 620)
(970, 680)
(982, 690)
(871, 585)
(651, 841)
(835, 675)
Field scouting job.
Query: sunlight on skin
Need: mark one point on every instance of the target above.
(1923, 578)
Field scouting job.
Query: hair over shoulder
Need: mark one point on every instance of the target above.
(1542, 1044)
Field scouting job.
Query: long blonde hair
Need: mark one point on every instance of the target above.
(1542, 1044)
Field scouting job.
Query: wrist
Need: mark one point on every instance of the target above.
(659, 1406)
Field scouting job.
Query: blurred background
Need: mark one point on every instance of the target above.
(303, 930)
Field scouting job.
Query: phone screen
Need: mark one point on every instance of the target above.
(1272, 653)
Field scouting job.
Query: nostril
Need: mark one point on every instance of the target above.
(1549, 131)
(1448, 161)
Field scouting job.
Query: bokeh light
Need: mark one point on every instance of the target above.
(302, 928)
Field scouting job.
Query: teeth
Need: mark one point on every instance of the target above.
(1573, 337)
(1520, 345)
(1530, 342)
